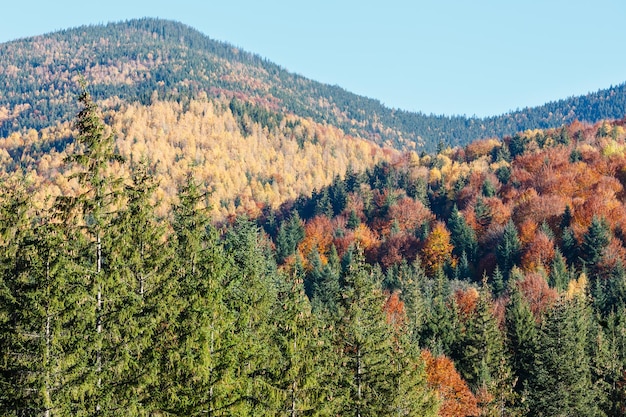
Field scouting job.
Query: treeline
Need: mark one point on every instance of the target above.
(506, 257)
(131, 61)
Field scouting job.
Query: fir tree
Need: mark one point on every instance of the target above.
(594, 241)
(195, 343)
(559, 277)
(462, 236)
(93, 212)
(521, 339)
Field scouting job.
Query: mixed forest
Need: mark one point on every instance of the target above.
(205, 233)
(487, 280)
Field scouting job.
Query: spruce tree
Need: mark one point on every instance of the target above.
(559, 276)
(462, 236)
(140, 261)
(364, 385)
(92, 211)
(195, 342)
(595, 240)
(252, 290)
(508, 251)
(294, 375)
(13, 233)
(521, 339)
(561, 383)
(482, 358)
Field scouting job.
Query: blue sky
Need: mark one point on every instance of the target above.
(482, 57)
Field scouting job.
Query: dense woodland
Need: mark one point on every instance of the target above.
(220, 239)
(130, 61)
(481, 281)
(249, 158)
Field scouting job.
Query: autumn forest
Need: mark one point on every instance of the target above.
(170, 249)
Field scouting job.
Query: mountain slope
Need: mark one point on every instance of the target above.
(132, 61)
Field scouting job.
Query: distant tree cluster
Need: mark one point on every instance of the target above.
(249, 158)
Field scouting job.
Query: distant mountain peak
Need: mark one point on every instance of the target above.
(133, 59)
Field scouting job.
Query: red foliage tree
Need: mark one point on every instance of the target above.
(539, 253)
(538, 293)
(394, 310)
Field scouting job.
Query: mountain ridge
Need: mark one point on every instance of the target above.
(131, 60)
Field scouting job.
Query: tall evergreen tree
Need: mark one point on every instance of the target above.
(521, 341)
(13, 233)
(482, 359)
(294, 377)
(93, 211)
(140, 261)
(508, 251)
(594, 241)
(561, 384)
(195, 342)
(252, 290)
(364, 385)
(559, 276)
(462, 236)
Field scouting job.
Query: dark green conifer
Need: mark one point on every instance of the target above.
(508, 251)
(561, 384)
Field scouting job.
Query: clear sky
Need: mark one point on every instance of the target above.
(481, 57)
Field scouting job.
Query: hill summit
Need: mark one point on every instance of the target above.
(139, 60)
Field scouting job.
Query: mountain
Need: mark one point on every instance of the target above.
(138, 60)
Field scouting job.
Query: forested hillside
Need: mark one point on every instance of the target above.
(130, 62)
(248, 158)
(505, 258)
(483, 281)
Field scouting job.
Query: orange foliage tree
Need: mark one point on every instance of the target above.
(538, 293)
(394, 310)
(437, 249)
(538, 253)
(410, 214)
(318, 234)
(456, 398)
